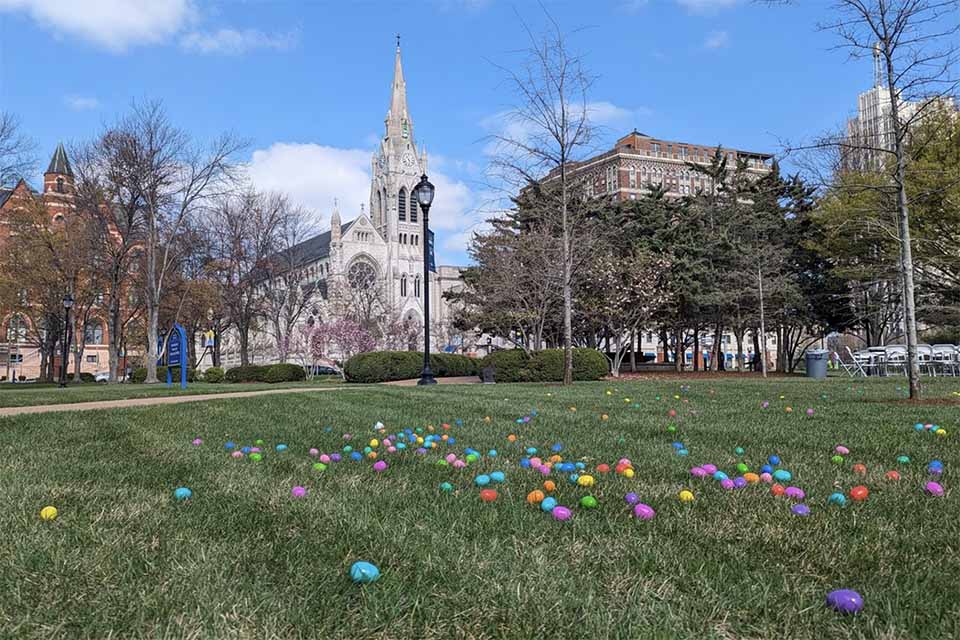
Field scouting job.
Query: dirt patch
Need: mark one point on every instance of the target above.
(930, 402)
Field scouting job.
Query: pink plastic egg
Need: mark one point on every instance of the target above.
(727, 484)
(236, 454)
(298, 492)
(391, 449)
(313, 453)
(709, 468)
(841, 450)
(535, 462)
(561, 513)
(544, 469)
(766, 477)
(380, 465)
(643, 511)
(459, 464)
(451, 457)
(197, 442)
(325, 459)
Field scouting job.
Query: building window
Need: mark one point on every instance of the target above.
(633, 179)
(416, 287)
(93, 333)
(92, 359)
(402, 204)
(16, 358)
(414, 207)
(403, 286)
(16, 329)
(59, 185)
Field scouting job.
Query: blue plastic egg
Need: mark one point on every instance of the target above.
(246, 449)
(573, 478)
(229, 445)
(364, 572)
(182, 493)
(782, 475)
(766, 469)
(557, 448)
(525, 463)
(682, 452)
(547, 504)
(838, 499)
(458, 422)
(580, 466)
(678, 445)
(281, 447)
(492, 453)
(497, 476)
(774, 460)
(451, 441)
(482, 480)
(531, 451)
(720, 475)
(356, 455)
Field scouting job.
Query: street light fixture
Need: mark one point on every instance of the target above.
(424, 193)
(65, 340)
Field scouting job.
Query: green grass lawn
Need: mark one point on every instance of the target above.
(22, 395)
(242, 558)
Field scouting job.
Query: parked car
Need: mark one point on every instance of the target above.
(323, 370)
(101, 376)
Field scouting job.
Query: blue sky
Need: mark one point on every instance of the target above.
(308, 82)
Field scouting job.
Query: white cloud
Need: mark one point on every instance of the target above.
(706, 6)
(717, 40)
(234, 42)
(112, 24)
(82, 103)
(313, 175)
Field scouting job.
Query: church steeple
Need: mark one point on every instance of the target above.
(398, 125)
(58, 177)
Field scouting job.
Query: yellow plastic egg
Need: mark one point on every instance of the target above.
(48, 513)
(374, 443)
(686, 496)
(628, 473)
(586, 481)
(604, 417)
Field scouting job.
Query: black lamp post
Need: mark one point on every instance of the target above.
(424, 194)
(65, 340)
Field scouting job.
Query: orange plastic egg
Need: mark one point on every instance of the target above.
(751, 477)
(549, 486)
(512, 438)
(860, 469)
(535, 497)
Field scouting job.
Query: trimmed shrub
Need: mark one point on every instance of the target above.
(384, 366)
(213, 375)
(87, 377)
(246, 373)
(139, 374)
(513, 365)
(284, 372)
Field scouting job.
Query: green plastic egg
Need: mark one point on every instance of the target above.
(742, 467)
(837, 459)
(472, 457)
(319, 466)
(588, 502)
(739, 451)
(903, 459)
(256, 457)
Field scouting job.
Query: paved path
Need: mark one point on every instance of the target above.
(146, 402)
(455, 380)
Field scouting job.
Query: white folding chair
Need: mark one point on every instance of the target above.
(925, 356)
(858, 362)
(896, 359)
(945, 357)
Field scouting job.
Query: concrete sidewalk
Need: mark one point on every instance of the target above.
(455, 380)
(147, 402)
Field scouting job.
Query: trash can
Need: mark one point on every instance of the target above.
(817, 360)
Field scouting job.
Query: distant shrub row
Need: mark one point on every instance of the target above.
(513, 365)
(384, 366)
(249, 373)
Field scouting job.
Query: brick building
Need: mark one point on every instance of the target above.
(19, 350)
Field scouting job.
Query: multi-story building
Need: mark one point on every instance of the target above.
(638, 162)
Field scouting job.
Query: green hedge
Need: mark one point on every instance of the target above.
(246, 373)
(384, 366)
(513, 365)
(213, 375)
(285, 372)
(140, 374)
(87, 377)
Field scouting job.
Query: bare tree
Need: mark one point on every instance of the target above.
(16, 150)
(915, 52)
(176, 179)
(547, 130)
(287, 292)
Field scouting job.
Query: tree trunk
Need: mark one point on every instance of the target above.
(678, 350)
(717, 365)
(633, 349)
(696, 348)
(243, 337)
(216, 347)
(755, 365)
(153, 342)
(113, 343)
(739, 336)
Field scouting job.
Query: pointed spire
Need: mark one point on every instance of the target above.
(398, 120)
(59, 163)
(335, 226)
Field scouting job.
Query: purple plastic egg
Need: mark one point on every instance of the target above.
(795, 493)
(698, 472)
(934, 489)
(766, 477)
(845, 601)
(561, 513)
(335, 457)
(935, 471)
(800, 510)
(197, 442)
(298, 492)
(380, 465)
(740, 482)
(421, 451)
(544, 469)
(727, 484)
(644, 511)
(709, 468)
(632, 498)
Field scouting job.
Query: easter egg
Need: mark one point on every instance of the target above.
(561, 513)
(643, 511)
(840, 449)
(236, 454)
(380, 465)
(48, 513)
(752, 478)
(497, 476)
(918, 427)
(766, 478)
(766, 469)
(686, 496)
(936, 464)
(256, 457)
(298, 492)
(837, 459)
(549, 486)
(809, 412)
(356, 456)
(782, 475)
(446, 487)
(941, 432)
(934, 471)
(372, 455)
(586, 481)
(604, 417)
(903, 459)
(892, 475)
(492, 453)
(544, 469)
(229, 445)
(548, 504)
(364, 572)
(588, 502)
(671, 428)
(535, 497)
(603, 468)
(838, 499)
(488, 495)
(347, 449)
(632, 498)
(255, 450)
(739, 451)
(245, 449)
(682, 452)
(859, 493)
(789, 409)
(374, 444)
(197, 442)
(258, 442)
(845, 601)
(628, 472)
(774, 460)
(933, 489)
(795, 493)
(325, 459)
(860, 469)
(777, 490)
(281, 447)
(698, 472)
(800, 510)
(742, 468)
(482, 480)
(727, 484)
(313, 453)
(739, 482)
(709, 468)
(182, 493)
(764, 404)
(719, 475)
(319, 466)
(472, 457)
(672, 413)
